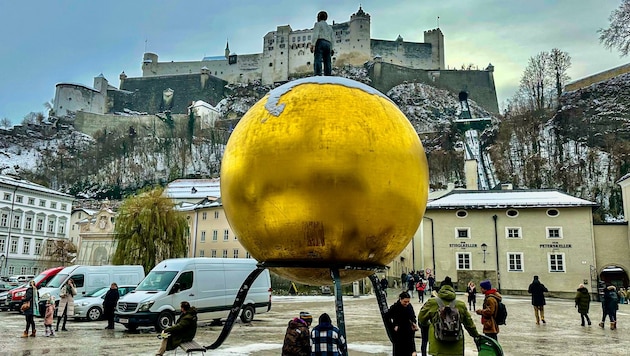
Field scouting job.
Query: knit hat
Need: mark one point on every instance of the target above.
(446, 282)
(486, 285)
(307, 317)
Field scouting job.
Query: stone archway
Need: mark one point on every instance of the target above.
(100, 256)
(613, 274)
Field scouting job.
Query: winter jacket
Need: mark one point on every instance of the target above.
(33, 299)
(50, 313)
(429, 311)
(297, 339)
(66, 299)
(582, 300)
(184, 330)
(472, 292)
(403, 319)
(489, 311)
(537, 290)
(110, 300)
(611, 301)
(327, 341)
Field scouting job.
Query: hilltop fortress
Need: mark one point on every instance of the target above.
(172, 86)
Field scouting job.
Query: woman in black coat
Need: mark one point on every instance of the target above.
(109, 305)
(610, 304)
(32, 298)
(403, 325)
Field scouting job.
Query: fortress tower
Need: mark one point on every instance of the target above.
(436, 39)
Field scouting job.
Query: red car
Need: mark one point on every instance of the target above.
(17, 295)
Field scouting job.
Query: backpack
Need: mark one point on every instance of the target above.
(502, 313)
(446, 323)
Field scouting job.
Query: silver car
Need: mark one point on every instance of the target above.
(90, 306)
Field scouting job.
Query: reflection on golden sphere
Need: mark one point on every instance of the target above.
(321, 172)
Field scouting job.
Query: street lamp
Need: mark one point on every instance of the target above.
(484, 248)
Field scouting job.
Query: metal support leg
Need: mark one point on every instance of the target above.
(236, 307)
(341, 322)
(381, 299)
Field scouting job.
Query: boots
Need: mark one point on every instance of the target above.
(601, 325)
(25, 334)
(33, 333)
(613, 325)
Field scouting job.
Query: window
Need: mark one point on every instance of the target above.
(556, 262)
(512, 213)
(19, 198)
(215, 235)
(553, 213)
(7, 196)
(515, 262)
(226, 234)
(235, 253)
(4, 220)
(461, 213)
(14, 244)
(23, 269)
(26, 248)
(216, 214)
(53, 205)
(62, 227)
(31, 201)
(16, 221)
(224, 253)
(49, 247)
(51, 226)
(463, 260)
(462, 232)
(202, 253)
(79, 280)
(203, 236)
(40, 224)
(213, 253)
(42, 203)
(64, 207)
(247, 255)
(204, 215)
(554, 232)
(38, 247)
(34, 271)
(513, 232)
(2, 243)
(29, 223)
(11, 270)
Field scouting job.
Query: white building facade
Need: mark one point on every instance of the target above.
(30, 216)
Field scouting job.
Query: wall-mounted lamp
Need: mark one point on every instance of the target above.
(484, 248)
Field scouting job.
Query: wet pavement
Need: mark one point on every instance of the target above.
(521, 336)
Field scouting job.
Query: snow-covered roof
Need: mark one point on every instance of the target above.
(24, 184)
(206, 203)
(502, 199)
(214, 58)
(90, 212)
(193, 189)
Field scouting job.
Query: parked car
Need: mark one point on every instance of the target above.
(4, 286)
(90, 307)
(17, 295)
(19, 279)
(5, 298)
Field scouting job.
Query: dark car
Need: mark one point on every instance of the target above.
(4, 286)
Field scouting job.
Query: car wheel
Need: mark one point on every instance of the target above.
(165, 319)
(248, 314)
(94, 314)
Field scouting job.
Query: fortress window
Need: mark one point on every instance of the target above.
(308, 63)
(282, 52)
(270, 64)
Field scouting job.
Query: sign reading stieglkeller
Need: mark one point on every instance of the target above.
(555, 245)
(462, 245)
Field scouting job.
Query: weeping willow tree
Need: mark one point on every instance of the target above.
(149, 230)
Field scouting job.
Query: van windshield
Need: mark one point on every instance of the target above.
(57, 281)
(157, 281)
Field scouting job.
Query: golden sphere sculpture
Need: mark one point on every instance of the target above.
(324, 172)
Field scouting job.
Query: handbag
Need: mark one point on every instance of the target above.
(25, 306)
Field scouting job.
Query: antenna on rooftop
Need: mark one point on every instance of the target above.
(438, 22)
(146, 40)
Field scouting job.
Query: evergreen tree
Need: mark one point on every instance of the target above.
(149, 230)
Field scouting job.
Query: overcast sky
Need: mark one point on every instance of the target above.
(46, 42)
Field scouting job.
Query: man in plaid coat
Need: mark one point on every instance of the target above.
(326, 339)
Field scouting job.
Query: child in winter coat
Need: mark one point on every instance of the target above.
(48, 317)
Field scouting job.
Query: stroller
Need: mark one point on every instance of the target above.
(488, 346)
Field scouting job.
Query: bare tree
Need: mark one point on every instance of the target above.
(617, 35)
(58, 252)
(560, 63)
(5, 123)
(535, 82)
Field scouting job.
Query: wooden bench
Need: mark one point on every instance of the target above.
(191, 346)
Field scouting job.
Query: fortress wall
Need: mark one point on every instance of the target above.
(71, 97)
(147, 92)
(478, 84)
(408, 54)
(598, 77)
(145, 125)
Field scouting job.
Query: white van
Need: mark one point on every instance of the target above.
(208, 284)
(89, 278)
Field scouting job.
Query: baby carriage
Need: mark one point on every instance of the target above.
(488, 346)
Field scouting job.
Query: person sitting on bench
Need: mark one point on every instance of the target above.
(183, 331)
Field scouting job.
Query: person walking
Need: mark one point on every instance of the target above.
(49, 316)
(66, 303)
(184, 329)
(297, 339)
(326, 339)
(411, 284)
(583, 303)
(384, 285)
(431, 281)
(538, 290)
(489, 310)
(471, 291)
(420, 287)
(430, 312)
(322, 44)
(30, 308)
(109, 305)
(610, 304)
(402, 322)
